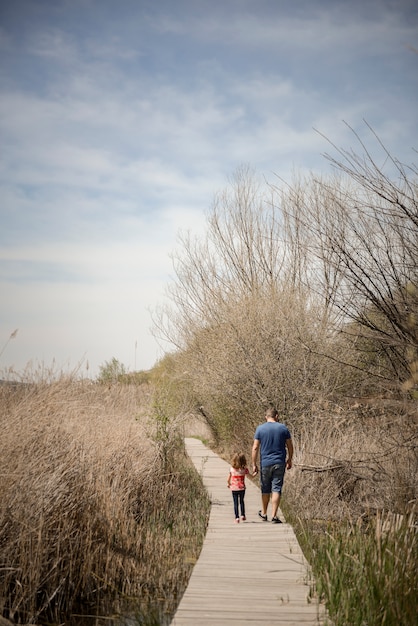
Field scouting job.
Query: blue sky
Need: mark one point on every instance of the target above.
(121, 120)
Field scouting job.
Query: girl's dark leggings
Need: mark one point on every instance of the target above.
(238, 497)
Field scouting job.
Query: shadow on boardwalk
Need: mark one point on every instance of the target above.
(248, 573)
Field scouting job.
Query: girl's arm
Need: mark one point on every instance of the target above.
(229, 479)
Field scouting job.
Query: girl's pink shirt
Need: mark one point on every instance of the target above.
(238, 478)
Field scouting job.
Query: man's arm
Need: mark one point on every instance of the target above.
(254, 455)
(289, 446)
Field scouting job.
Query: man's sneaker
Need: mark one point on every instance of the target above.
(276, 520)
(263, 517)
(243, 518)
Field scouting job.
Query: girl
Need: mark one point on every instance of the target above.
(236, 483)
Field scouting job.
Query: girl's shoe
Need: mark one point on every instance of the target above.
(237, 520)
(243, 518)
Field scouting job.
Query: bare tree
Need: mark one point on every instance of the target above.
(249, 331)
(372, 234)
(357, 233)
(239, 254)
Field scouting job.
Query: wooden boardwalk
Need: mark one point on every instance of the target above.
(248, 573)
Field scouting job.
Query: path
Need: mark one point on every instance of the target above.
(250, 573)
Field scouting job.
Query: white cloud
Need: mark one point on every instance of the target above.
(309, 26)
(120, 124)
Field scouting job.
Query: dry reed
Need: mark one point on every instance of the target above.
(90, 522)
(353, 461)
(352, 497)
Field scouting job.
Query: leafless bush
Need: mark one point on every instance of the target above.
(352, 461)
(262, 353)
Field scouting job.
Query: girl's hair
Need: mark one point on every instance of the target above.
(239, 461)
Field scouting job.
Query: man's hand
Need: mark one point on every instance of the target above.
(254, 456)
(289, 446)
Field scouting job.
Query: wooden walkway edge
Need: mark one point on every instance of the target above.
(248, 573)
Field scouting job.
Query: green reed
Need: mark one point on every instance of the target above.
(366, 573)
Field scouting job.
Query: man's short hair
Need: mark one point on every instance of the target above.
(272, 412)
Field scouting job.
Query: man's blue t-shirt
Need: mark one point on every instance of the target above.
(272, 437)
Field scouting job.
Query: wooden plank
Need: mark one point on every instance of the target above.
(251, 573)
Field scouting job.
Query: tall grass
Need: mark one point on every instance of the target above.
(367, 576)
(91, 522)
(359, 464)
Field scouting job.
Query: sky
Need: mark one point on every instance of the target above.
(120, 121)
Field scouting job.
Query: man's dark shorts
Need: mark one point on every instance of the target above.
(271, 478)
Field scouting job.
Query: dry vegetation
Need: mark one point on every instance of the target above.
(91, 522)
(352, 498)
(355, 459)
(305, 296)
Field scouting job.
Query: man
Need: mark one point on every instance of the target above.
(273, 441)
